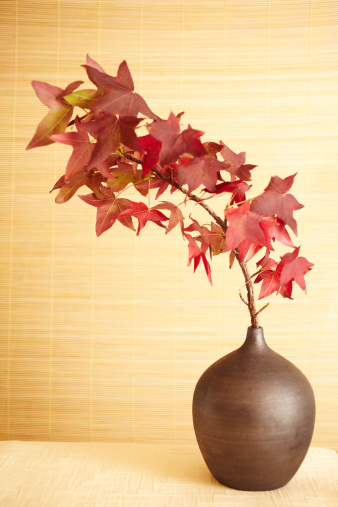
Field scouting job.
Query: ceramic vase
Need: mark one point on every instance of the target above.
(253, 415)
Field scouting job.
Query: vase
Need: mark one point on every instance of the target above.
(253, 415)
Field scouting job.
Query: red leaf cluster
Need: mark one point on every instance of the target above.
(110, 141)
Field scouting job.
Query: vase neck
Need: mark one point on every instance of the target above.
(255, 339)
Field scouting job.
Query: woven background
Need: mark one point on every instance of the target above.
(104, 338)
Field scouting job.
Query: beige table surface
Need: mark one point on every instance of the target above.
(67, 474)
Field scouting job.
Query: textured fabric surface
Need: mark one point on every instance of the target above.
(54, 474)
(105, 338)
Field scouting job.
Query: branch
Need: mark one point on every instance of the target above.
(259, 311)
(191, 196)
(242, 298)
(223, 224)
(73, 121)
(250, 290)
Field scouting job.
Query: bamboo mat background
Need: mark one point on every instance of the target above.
(105, 338)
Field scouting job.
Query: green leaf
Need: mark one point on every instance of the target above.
(82, 98)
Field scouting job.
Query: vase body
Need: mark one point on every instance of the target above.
(253, 414)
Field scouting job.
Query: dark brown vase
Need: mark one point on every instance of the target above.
(254, 415)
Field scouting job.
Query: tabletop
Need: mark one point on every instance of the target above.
(87, 474)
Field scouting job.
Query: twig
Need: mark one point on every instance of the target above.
(240, 295)
(259, 311)
(80, 118)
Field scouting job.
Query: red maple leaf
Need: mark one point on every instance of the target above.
(266, 262)
(243, 225)
(82, 148)
(274, 201)
(108, 211)
(199, 171)
(174, 142)
(122, 175)
(286, 290)
(212, 148)
(274, 228)
(176, 215)
(217, 239)
(271, 282)
(247, 250)
(162, 185)
(110, 131)
(118, 95)
(236, 187)
(57, 119)
(236, 163)
(151, 148)
(69, 188)
(143, 214)
(196, 253)
(294, 268)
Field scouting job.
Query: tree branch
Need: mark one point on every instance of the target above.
(259, 311)
(242, 298)
(223, 224)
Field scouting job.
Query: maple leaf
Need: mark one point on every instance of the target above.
(205, 235)
(148, 184)
(110, 131)
(60, 182)
(212, 148)
(237, 188)
(94, 182)
(143, 214)
(282, 186)
(94, 64)
(243, 225)
(117, 93)
(294, 268)
(105, 129)
(274, 228)
(194, 226)
(174, 142)
(195, 252)
(58, 117)
(82, 98)
(236, 163)
(122, 176)
(200, 171)
(82, 148)
(151, 148)
(274, 201)
(176, 215)
(266, 262)
(286, 290)
(271, 282)
(108, 211)
(217, 239)
(159, 183)
(69, 188)
(170, 172)
(247, 249)
(192, 143)
(232, 258)
(127, 126)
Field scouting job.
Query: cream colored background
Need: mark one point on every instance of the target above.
(104, 338)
